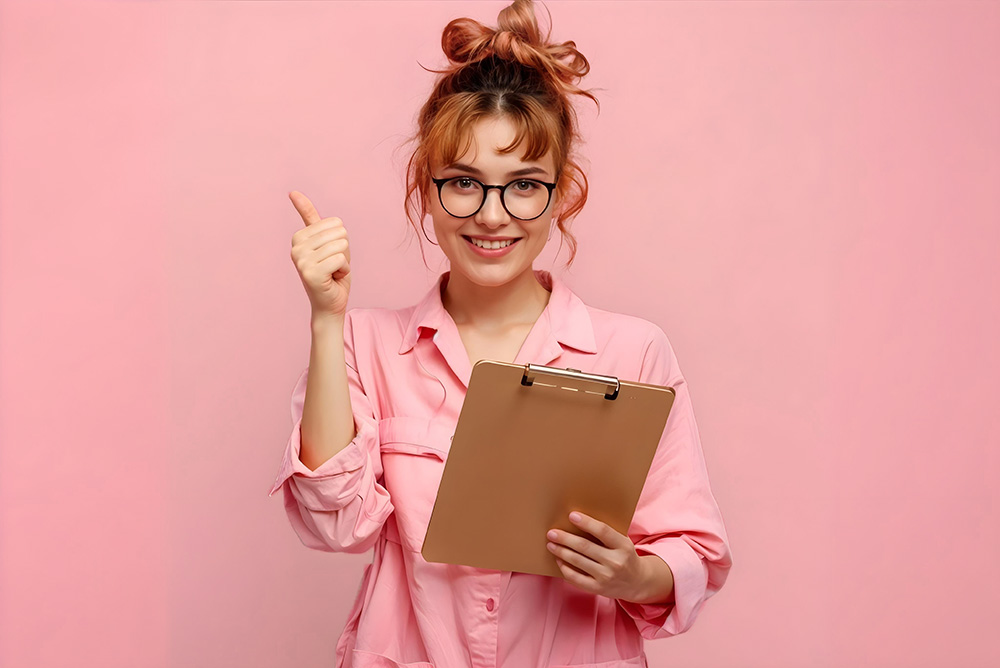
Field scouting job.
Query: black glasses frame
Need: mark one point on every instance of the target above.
(486, 191)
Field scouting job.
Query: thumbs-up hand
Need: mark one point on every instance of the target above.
(323, 259)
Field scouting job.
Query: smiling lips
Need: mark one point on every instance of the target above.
(490, 248)
(491, 244)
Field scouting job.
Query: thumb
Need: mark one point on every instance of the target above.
(304, 207)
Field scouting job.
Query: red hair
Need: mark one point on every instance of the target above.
(511, 72)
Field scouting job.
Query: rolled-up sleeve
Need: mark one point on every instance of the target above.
(677, 517)
(341, 506)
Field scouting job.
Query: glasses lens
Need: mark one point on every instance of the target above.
(526, 198)
(461, 196)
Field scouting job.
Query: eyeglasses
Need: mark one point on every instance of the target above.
(464, 196)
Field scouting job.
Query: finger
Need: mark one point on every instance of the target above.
(607, 535)
(585, 545)
(323, 237)
(308, 236)
(575, 577)
(578, 559)
(304, 207)
(319, 246)
(336, 265)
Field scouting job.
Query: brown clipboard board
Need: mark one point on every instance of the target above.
(533, 443)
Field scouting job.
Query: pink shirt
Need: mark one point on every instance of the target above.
(408, 375)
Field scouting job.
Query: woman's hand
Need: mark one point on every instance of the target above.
(610, 567)
(322, 256)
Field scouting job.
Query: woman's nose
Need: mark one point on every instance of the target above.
(493, 207)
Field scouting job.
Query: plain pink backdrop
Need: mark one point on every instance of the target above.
(804, 195)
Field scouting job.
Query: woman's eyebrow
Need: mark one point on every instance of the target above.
(517, 172)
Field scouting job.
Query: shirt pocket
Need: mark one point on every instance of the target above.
(414, 451)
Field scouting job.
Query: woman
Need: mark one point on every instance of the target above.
(375, 409)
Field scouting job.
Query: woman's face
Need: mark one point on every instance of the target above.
(483, 162)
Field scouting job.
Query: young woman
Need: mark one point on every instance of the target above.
(376, 407)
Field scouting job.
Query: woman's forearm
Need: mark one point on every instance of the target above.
(327, 419)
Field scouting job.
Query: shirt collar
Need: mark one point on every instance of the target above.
(570, 320)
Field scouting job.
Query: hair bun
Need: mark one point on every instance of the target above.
(467, 41)
(463, 40)
(511, 45)
(517, 38)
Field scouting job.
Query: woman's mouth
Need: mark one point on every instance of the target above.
(490, 248)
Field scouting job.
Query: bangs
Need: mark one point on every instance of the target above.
(451, 134)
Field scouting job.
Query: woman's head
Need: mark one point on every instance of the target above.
(502, 106)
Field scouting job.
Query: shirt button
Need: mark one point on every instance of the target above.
(489, 605)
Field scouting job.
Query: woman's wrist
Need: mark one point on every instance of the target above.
(324, 322)
(657, 583)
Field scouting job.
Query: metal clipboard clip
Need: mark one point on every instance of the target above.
(532, 370)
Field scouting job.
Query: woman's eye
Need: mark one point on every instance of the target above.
(530, 185)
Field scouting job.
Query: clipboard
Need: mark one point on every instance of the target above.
(533, 443)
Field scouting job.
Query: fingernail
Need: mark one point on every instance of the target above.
(552, 535)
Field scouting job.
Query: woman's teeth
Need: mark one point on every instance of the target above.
(492, 245)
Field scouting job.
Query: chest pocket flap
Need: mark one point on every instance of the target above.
(414, 435)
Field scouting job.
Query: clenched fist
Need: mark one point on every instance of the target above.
(322, 257)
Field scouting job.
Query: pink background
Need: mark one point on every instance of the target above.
(803, 195)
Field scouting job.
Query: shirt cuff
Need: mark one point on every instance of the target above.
(661, 620)
(330, 486)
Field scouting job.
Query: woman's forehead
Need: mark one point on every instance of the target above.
(494, 162)
(496, 133)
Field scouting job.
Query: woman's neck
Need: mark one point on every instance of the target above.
(486, 308)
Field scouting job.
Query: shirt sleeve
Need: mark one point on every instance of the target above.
(677, 517)
(341, 506)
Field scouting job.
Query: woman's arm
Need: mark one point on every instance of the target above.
(337, 503)
(327, 419)
(677, 519)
